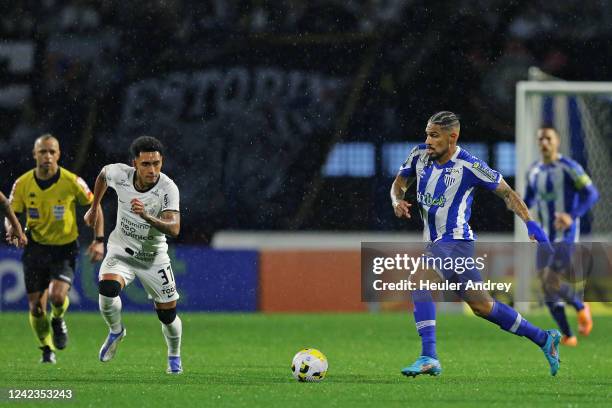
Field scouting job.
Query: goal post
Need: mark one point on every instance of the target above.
(582, 114)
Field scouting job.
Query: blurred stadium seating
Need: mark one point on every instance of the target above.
(260, 102)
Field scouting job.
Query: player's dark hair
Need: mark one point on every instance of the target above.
(547, 125)
(146, 144)
(444, 119)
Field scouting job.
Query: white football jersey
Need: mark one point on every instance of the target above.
(132, 234)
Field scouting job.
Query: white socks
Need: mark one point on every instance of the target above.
(110, 307)
(172, 333)
(111, 312)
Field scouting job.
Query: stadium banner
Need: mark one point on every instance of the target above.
(310, 281)
(207, 280)
(469, 270)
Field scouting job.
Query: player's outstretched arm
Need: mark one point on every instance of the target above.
(93, 217)
(513, 200)
(517, 205)
(14, 232)
(401, 207)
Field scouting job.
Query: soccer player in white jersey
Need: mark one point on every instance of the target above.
(147, 211)
(446, 177)
(561, 192)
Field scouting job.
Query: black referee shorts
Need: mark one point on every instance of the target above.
(42, 263)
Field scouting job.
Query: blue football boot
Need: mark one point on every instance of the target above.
(423, 365)
(551, 350)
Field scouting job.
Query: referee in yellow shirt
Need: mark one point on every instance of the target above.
(49, 195)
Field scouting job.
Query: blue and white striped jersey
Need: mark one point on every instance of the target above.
(555, 188)
(445, 193)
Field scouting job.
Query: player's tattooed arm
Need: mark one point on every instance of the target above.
(513, 200)
(400, 185)
(169, 223)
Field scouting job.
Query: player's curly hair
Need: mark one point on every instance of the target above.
(146, 144)
(444, 119)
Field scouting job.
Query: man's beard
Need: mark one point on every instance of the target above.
(436, 155)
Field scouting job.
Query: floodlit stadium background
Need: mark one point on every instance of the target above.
(285, 123)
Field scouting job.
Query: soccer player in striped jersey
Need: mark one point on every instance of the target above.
(562, 193)
(446, 177)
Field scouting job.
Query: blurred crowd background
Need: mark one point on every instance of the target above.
(282, 115)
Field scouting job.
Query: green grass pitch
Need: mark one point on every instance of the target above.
(244, 359)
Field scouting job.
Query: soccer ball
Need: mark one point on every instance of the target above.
(309, 365)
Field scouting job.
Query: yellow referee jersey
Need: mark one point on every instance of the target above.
(50, 213)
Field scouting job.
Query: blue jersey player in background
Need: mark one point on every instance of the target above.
(561, 192)
(446, 177)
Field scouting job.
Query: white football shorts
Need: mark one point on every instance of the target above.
(156, 278)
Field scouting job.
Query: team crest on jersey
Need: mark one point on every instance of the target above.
(449, 180)
(484, 170)
(33, 213)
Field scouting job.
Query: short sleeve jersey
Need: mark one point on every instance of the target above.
(445, 192)
(50, 212)
(133, 234)
(553, 188)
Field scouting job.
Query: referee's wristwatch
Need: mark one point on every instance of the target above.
(99, 239)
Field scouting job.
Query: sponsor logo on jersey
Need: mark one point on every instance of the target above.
(33, 213)
(165, 200)
(58, 211)
(484, 170)
(430, 201)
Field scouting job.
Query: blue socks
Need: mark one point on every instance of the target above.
(511, 321)
(502, 315)
(570, 296)
(557, 310)
(425, 319)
